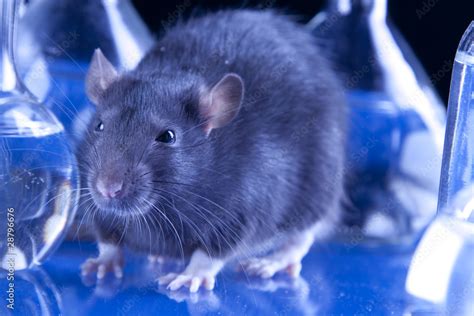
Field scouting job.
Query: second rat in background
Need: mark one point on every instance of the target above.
(225, 143)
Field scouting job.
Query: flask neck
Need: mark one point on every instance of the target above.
(372, 8)
(9, 83)
(466, 45)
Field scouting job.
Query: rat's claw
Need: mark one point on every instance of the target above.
(195, 284)
(177, 281)
(101, 270)
(166, 279)
(294, 269)
(156, 259)
(118, 271)
(209, 283)
(88, 267)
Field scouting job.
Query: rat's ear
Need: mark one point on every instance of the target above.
(100, 75)
(222, 104)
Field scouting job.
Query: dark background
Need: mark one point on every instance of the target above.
(433, 28)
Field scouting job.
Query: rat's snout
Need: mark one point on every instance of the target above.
(110, 187)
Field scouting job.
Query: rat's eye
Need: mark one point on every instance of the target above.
(99, 127)
(168, 137)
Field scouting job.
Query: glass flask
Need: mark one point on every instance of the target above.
(57, 43)
(396, 119)
(442, 270)
(458, 156)
(38, 173)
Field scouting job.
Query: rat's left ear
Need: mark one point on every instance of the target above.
(100, 75)
(222, 104)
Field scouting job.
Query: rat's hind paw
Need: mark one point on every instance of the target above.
(201, 271)
(176, 281)
(268, 267)
(110, 259)
(285, 259)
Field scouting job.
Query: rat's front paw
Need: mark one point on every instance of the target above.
(176, 281)
(110, 259)
(201, 271)
(102, 267)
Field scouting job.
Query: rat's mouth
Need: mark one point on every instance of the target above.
(121, 208)
(119, 195)
(126, 206)
(117, 204)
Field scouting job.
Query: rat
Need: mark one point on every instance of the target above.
(225, 143)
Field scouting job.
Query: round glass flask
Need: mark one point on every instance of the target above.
(396, 119)
(38, 173)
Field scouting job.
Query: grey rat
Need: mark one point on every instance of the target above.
(225, 142)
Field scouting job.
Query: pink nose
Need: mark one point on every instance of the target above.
(109, 189)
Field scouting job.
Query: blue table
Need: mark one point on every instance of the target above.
(337, 279)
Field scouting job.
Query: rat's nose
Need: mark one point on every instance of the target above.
(109, 189)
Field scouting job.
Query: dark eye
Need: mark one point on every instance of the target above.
(99, 127)
(168, 137)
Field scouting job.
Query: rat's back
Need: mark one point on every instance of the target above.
(263, 47)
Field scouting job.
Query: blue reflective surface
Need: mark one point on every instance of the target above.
(337, 279)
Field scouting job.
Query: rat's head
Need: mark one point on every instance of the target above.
(150, 135)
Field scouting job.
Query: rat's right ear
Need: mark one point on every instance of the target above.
(222, 104)
(99, 77)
